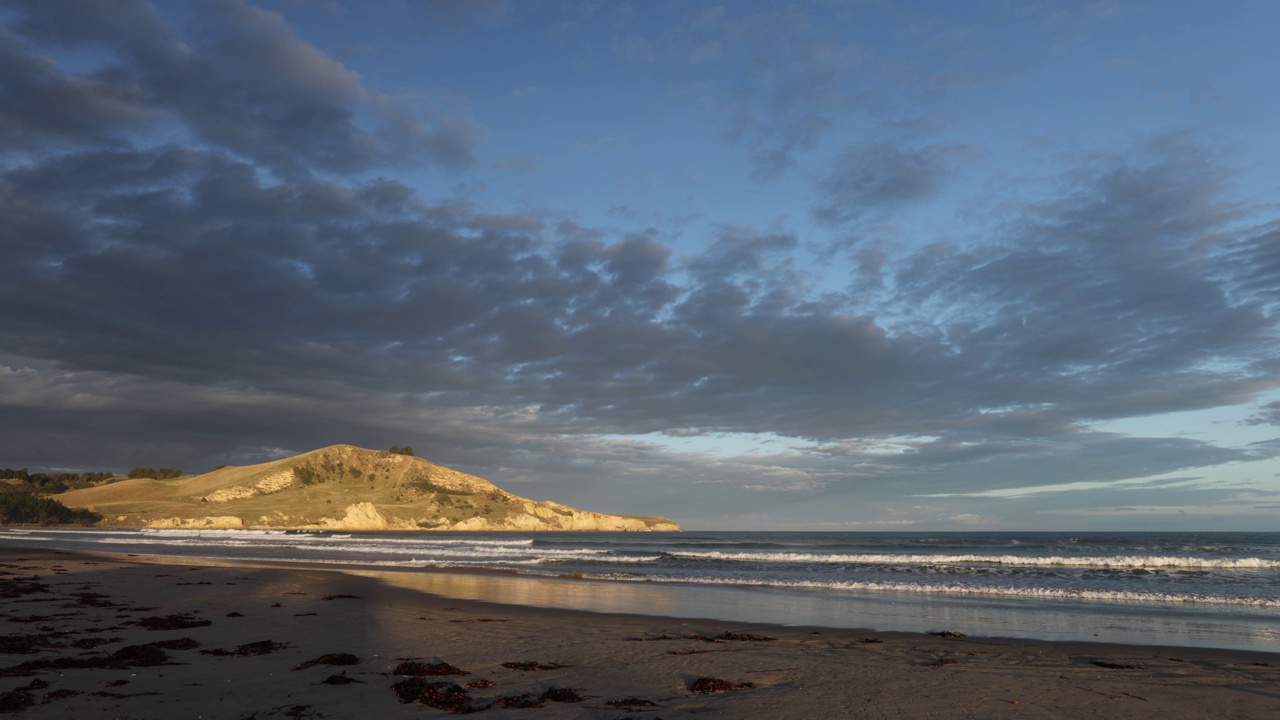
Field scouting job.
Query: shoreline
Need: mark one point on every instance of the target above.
(978, 613)
(252, 625)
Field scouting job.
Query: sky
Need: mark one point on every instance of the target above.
(756, 265)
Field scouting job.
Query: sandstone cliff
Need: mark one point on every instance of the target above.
(339, 488)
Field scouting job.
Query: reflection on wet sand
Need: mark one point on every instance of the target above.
(1055, 620)
(740, 604)
(564, 593)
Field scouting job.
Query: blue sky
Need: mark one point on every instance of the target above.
(864, 265)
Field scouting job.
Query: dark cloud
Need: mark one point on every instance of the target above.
(177, 265)
(1268, 414)
(1251, 268)
(872, 180)
(1102, 293)
(40, 103)
(248, 84)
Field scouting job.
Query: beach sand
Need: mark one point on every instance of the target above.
(78, 642)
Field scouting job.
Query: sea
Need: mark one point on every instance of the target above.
(1217, 590)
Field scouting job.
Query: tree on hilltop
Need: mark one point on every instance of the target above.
(158, 474)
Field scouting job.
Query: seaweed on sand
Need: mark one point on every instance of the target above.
(708, 685)
(331, 659)
(421, 669)
(180, 621)
(262, 647)
(340, 679)
(632, 702)
(532, 666)
(439, 694)
(148, 655)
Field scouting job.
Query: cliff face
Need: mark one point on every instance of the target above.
(340, 488)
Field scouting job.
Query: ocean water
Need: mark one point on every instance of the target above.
(1185, 589)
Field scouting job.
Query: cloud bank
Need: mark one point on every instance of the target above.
(207, 259)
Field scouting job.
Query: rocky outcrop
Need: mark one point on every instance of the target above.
(273, 483)
(552, 516)
(361, 516)
(220, 522)
(579, 522)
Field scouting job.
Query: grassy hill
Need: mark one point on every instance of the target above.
(339, 487)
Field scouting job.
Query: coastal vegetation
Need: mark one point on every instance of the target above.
(20, 508)
(158, 474)
(24, 495)
(51, 483)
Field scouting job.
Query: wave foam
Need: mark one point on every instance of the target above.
(1116, 561)
(1036, 593)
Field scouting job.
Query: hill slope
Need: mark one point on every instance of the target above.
(338, 488)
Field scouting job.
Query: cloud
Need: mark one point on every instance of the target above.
(871, 181)
(321, 291)
(250, 86)
(43, 103)
(787, 83)
(1268, 414)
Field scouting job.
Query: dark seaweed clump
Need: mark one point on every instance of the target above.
(15, 700)
(262, 647)
(532, 666)
(148, 655)
(444, 695)
(331, 659)
(181, 621)
(420, 669)
(15, 588)
(562, 695)
(439, 694)
(707, 686)
(28, 644)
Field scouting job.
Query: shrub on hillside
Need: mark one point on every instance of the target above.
(27, 509)
(307, 475)
(160, 474)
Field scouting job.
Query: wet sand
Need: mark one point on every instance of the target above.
(89, 636)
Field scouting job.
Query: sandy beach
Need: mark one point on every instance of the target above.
(90, 636)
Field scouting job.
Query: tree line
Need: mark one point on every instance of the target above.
(50, 483)
(157, 473)
(23, 502)
(53, 483)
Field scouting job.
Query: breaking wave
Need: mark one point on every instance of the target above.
(1102, 561)
(1036, 593)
